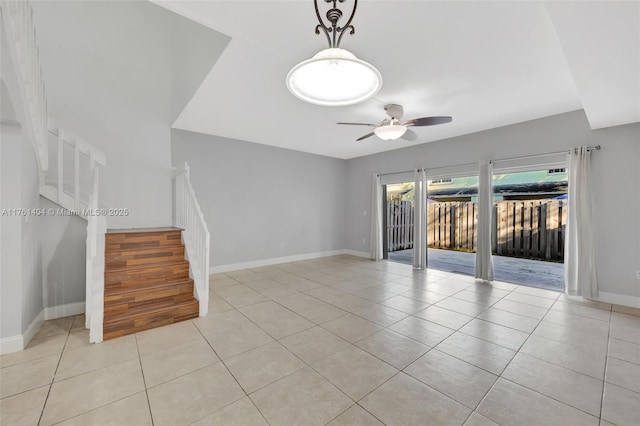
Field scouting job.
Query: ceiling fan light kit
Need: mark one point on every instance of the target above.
(391, 128)
(390, 132)
(334, 76)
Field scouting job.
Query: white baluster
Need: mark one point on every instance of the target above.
(195, 233)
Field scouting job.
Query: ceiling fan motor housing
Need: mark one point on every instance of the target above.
(394, 111)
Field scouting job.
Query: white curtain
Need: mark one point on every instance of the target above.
(484, 261)
(420, 220)
(579, 258)
(376, 219)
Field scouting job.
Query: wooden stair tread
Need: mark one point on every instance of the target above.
(146, 306)
(128, 258)
(147, 281)
(129, 324)
(150, 310)
(113, 270)
(115, 291)
(137, 239)
(143, 230)
(143, 250)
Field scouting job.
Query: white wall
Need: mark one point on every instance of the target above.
(108, 67)
(32, 302)
(250, 217)
(20, 256)
(195, 50)
(20, 264)
(262, 202)
(63, 243)
(616, 177)
(10, 232)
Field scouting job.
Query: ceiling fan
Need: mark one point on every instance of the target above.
(391, 128)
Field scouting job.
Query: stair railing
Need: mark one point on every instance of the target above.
(96, 230)
(68, 181)
(17, 18)
(189, 217)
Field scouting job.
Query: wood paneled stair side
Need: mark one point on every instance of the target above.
(146, 281)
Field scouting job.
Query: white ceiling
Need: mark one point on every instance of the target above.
(487, 64)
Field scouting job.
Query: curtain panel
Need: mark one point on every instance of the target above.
(580, 274)
(420, 220)
(376, 251)
(484, 259)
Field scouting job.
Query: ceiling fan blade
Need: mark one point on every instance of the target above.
(428, 121)
(359, 124)
(410, 135)
(368, 135)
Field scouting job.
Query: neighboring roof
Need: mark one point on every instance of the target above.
(536, 182)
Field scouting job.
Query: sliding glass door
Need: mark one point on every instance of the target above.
(399, 212)
(528, 204)
(529, 221)
(452, 223)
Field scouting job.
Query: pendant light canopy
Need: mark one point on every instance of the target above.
(334, 76)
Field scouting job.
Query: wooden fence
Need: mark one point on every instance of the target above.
(531, 229)
(399, 225)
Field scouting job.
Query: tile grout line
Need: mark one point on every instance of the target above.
(231, 374)
(606, 362)
(500, 376)
(144, 381)
(353, 271)
(599, 418)
(56, 371)
(304, 362)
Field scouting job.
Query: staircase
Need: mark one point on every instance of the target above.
(136, 279)
(147, 281)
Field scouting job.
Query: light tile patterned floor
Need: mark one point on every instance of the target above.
(342, 341)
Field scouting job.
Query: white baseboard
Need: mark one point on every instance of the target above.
(279, 260)
(33, 328)
(61, 311)
(11, 344)
(19, 342)
(357, 253)
(619, 299)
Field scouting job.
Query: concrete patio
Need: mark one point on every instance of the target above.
(534, 273)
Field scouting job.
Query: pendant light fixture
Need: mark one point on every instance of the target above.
(334, 76)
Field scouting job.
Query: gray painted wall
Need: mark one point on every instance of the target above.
(20, 256)
(616, 178)
(263, 202)
(10, 232)
(250, 217)
(32, 302)
(195, 50)
(63, 242)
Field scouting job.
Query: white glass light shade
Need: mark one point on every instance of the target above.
(334, 77)
(390, 132)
